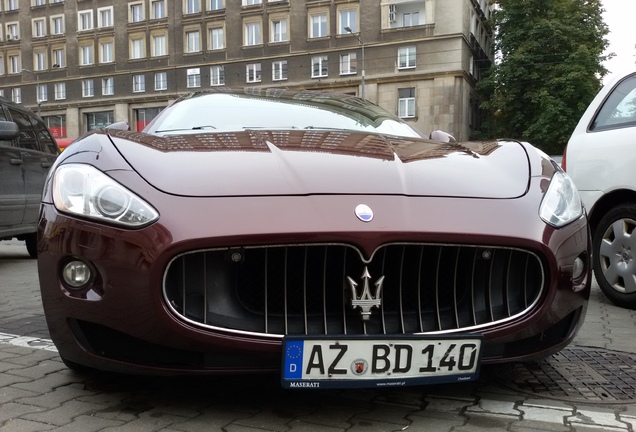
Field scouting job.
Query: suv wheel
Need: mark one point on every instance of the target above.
(614, 255)
(31, 242)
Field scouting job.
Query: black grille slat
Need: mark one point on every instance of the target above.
(266, 291)
(304, 289)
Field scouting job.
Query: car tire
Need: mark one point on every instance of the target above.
(614, 255)
(31, 242)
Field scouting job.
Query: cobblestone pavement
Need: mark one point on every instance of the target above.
(37, 392)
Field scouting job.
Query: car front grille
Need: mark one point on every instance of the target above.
(310, 289)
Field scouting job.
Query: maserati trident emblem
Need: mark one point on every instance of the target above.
(366, 300)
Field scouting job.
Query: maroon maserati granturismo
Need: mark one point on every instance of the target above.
(309, 234)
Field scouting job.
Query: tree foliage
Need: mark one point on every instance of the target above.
(548, 69)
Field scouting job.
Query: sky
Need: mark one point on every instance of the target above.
(620, 17)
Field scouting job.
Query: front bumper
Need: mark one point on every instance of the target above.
(123, 323)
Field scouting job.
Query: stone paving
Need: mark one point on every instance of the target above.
(38, 393)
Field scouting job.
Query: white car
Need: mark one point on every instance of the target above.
(601, 159)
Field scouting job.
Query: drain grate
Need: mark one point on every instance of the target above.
(574, 374)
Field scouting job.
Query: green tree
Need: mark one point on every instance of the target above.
(549, 68)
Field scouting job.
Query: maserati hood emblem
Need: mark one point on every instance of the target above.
(364, 213)
(366, 300)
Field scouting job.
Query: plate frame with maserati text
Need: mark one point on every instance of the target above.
(327, 362)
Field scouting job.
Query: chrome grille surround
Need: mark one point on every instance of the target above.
(303, 289)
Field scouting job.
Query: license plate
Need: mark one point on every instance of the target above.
(310, 362)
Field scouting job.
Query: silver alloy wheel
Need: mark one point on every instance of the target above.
(616, 255)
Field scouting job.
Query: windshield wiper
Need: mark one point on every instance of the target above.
(269, 127)
(327, 128)
(186, 129)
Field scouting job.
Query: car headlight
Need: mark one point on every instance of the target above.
(561, 203)
(85, 191)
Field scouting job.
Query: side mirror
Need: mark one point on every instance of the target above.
(119, 126)
(442, 136)
(9, 130)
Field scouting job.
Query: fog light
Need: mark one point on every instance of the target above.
(76, 274)
(578, 268)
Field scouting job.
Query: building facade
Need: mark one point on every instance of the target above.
(85, 64)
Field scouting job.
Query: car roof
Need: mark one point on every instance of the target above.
(8, 102)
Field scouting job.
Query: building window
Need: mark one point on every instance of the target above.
(15, 64)
(410, 19)
(216, 4)
(193, 41)
(108, 86)
(105, 17)
(319, 66)
(87, 88)
(217, 39)
(406, 102)
(348, 64)
(38, 3)
(58, 58)
(57, 25)
(136, 12)
(85, 20)
(39, 61)
(158, 9)
(12, 5)
(56, 124)
(407, 14)
(144, 116)
(1, 65)
(161, 81)
(347, 19)
(406, 57)
(192, 6)
(253, 72)
(16, 95)
(159, 46)
(137, 48)
(99, 120)
(39, 27)
(251, 2)
(86, 55)
(42, 94)
(318, 25)
(106, 52)
(279, 30)
(139, 83)
(279, 70)
(252, 33)
(13, 31)
(60, 91)
(217, 75)
(194, 78)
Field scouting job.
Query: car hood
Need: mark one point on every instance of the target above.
(292, 162)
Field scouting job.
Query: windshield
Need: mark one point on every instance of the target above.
(235, 112)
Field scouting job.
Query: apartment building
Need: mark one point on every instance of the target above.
(85, 64)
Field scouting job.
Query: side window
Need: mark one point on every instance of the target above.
(44, 136)
(619, 109)
(28, 137)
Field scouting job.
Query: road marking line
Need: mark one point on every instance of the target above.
(27, 342)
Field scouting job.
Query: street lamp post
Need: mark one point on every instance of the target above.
(37, 87)
(348, 29)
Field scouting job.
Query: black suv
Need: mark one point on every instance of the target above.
(27, 151)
